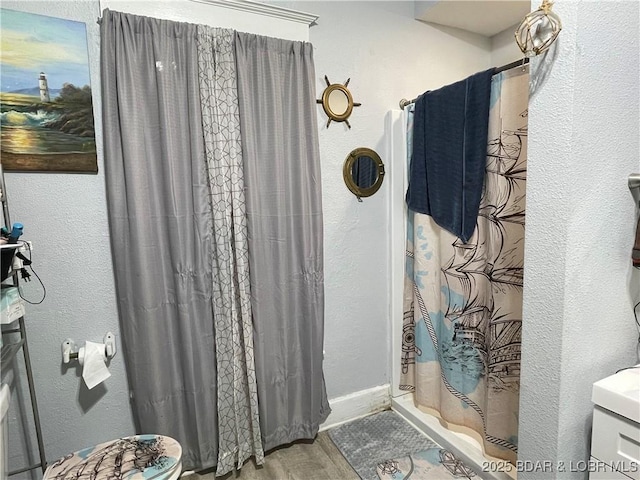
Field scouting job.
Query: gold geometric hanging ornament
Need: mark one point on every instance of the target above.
(538, 30)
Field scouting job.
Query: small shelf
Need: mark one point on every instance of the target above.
(9, 351)
(12, 307)
(25, 469)
(21, 243)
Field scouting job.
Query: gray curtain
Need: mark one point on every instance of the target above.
(161, 227)
(276, 88)
(238, 424)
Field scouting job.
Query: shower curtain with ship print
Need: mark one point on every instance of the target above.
(463, 302)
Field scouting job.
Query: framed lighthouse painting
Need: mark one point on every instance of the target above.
(46, 111)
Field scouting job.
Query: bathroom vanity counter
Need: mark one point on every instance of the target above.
(615, 439)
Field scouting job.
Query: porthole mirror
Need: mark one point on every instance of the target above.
(363, 172)
(337, 102)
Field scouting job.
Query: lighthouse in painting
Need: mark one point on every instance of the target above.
(44, 88)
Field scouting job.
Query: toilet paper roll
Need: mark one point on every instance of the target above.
(92, 358)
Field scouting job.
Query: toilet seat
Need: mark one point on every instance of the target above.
(141, 457)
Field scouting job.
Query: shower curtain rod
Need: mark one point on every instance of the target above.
(518, 63)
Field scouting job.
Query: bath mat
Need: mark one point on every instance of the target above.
(431, 464)
(371, 440)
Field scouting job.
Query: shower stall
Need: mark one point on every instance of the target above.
(501, 162)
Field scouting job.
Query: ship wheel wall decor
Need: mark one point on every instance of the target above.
(337, 102)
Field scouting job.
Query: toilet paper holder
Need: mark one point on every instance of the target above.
(70, 351)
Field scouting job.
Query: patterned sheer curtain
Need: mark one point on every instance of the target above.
(238, 422)
(463, 301)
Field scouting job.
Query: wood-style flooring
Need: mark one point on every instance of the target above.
(319, 459)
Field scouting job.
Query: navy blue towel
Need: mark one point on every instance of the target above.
(446, 174)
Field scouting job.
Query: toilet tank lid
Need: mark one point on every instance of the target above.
(141, 457)
(5, 397)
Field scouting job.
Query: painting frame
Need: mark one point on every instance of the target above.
(46, 104)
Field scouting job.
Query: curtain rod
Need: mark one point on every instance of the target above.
(518, 63)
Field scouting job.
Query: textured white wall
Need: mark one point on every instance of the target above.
(65, 216)
(580, 287)
(504, 48)
(388, 56)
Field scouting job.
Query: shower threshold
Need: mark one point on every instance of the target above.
(463, 446)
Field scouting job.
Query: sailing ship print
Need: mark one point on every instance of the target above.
(409, 348)
(132, 458)
(463, 301)
(486, 325)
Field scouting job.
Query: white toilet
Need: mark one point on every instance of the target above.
(141, 457)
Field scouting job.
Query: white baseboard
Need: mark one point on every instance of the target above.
(357, 405)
